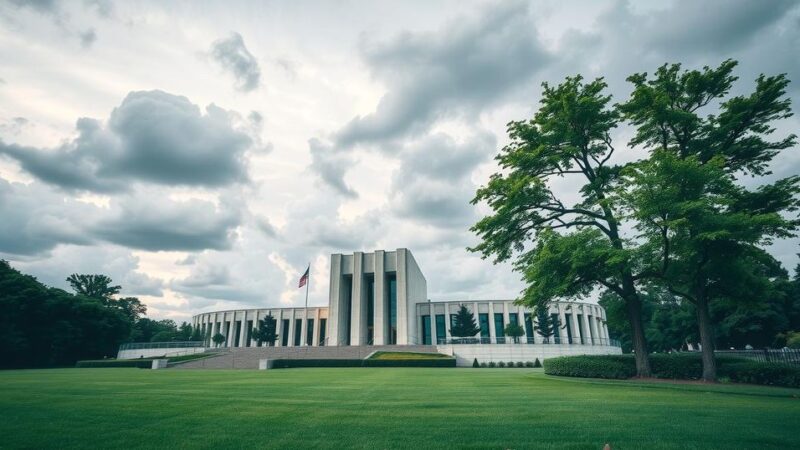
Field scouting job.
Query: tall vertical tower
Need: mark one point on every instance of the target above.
(373, 298)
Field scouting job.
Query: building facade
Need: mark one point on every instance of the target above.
(380, 298)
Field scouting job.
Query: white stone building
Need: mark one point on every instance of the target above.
(380, 298)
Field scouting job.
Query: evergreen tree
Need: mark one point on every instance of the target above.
(544, 326)
(464, 324)
(266, 331)
(218, 339)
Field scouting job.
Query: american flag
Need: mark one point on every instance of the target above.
(304, 278)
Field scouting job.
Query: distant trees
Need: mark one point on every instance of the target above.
(42, 326)
(266, 331)
(464, 324)
(218, 339)
(94, 286)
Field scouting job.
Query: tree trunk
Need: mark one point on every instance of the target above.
(640, 353)
(706, 339)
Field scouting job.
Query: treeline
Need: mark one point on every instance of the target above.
(41, 326)
(768, 320)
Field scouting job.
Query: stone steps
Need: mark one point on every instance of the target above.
(248, 357)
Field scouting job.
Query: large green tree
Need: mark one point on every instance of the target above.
(704, 231)
(563, 248)
(266, 331)
(94, 286)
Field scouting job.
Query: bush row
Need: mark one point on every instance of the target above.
(294, 363)
(529, 364)
(674, 366)
(140, 363)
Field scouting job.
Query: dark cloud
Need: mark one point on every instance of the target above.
(41, 6)
(462, 68)
(14, 125)
(167, 225)
(433, 184)
(36, 219)
(87, 38)
(233, 56)
(331, 166)
(152, 136)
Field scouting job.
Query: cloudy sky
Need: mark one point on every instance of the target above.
(202, 153)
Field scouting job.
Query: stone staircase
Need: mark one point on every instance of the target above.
(248, 357)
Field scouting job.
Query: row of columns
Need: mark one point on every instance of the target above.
(592, 324)
(248, 320)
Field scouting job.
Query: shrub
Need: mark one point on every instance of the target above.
(520, 364)
(475, 363)
(510, 364)
(140, 363)
(528, 363)
(501, 364)
(483, 364)
(605, 366)
(756, 372)
(537, 363)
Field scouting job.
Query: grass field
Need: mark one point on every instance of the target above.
(383, 408)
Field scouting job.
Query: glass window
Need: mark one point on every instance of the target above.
(568, 319)
(440, 331)
(580, 326)
(513, 318)
(298, 331)
(310, 332)
(499, 325)
(285, 333)
(483, 319)
(370, 309)
(426, 329)
(392, 283)
(529, 327)
(323, 323)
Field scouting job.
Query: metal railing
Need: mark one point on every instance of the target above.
(529, 340)
(784, 356)
(174, 344)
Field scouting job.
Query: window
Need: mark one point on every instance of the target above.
(440, 331)
(568, 319)
(370, 285)
(426, 329)
(310, 332)
(453, 320)
(483, 319)
(347, 291)
(589, 326)
(580, 327)
(323, 323)
(248, 333)
(513, 318)
(392, 283)
(499, 326)
(285, 332)
(556, 326)
(237, 332)
(528, 327)
(298, 331)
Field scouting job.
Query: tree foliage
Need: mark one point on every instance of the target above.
(545, 326)
(94, 286)
(464, 324)
(267, 331)
(563, 249)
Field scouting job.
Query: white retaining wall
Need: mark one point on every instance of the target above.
(466, 353)
(156, 352)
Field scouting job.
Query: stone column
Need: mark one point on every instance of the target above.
(358, 314)
(447, 313)
(381, 311)
(492, 331)
(576, 336)
(317, 326)
(477, 314)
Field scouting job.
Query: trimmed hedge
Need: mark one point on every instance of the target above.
(296, 363)
(140, 363)
(686, 366)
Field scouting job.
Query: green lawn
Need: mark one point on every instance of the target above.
(383, 408)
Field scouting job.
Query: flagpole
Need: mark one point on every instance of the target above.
(308, 282)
